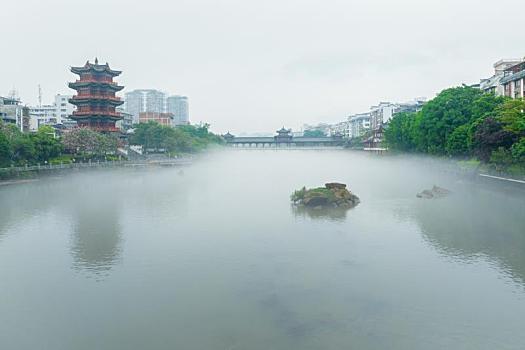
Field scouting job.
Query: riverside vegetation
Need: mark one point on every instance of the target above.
(82, 144)
(482, 129)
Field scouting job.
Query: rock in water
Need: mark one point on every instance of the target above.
(333, 195)
(435, 192)
(335, 186)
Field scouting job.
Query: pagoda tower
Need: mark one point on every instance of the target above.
(95, 99)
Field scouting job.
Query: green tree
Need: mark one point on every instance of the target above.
(399, 133)
(314, 133)
(512, 116)
(489, 136)
(46, 145)
(442, 115)
(185, 138)
(458, 143)
(5, 150)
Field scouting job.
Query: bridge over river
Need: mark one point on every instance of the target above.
(284, 138)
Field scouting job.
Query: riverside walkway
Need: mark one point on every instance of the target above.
(13, 171)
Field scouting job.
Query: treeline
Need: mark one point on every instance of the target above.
(154, 137)
(467, 123)
(17, 148)
(43, 147)
(82, 144)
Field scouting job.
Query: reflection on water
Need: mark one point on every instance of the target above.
(333, 214)
(477, 223)
(96, 243)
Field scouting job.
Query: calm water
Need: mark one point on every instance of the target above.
(214, 257)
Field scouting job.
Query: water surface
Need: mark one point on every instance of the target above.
(214, 257)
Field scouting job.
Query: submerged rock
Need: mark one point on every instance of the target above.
(435, 192)
(333, 195)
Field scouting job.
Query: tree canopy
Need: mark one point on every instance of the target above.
(185, 138)
(463, 122)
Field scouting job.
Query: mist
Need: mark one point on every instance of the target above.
(213, 255)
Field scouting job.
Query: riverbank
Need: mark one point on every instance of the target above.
(16, 175)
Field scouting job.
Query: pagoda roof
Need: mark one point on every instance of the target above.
(95, 116)
(228, 135)
(284, 131)
(95, 67)
(80, 83)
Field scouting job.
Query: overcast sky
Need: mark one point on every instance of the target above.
(254, 66)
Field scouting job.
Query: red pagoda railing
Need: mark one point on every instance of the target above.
(95, 81)
(91, 112)
(104, 97)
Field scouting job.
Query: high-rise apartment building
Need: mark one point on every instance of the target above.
(178, 106)
(155, 101)
(134, 104)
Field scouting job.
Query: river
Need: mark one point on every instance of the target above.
(214, 257)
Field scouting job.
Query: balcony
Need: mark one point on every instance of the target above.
(104, 81)
(96, 97)
(96, 112)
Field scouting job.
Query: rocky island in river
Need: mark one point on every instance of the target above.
(333, 195)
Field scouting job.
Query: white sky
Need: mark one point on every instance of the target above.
(254, 66)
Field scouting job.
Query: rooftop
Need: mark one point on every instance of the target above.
(99, 68)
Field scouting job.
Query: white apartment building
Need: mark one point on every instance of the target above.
(359, 124)
(155, 101)
(13, 112)
(178, 106)
(56, 113)
(381, 114)
(514, 81)
(340, 129)
(494, 83)
(144, 101)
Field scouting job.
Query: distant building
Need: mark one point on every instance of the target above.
(156, 101)
(161, 118)
(178, 106)
(513, 81)
(494, 84)
(340, 129)
(126, 122)
(135, 104)
(381, 114)
(144, 100)
(412, 106)
(54, 114)
(283, 135)
(12, 112)
(359, 124)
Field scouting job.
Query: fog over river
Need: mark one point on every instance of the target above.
(214, 257)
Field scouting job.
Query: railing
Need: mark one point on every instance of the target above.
(91, 112)
(103, 97)
(95, 81)
(94, 164)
